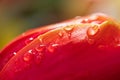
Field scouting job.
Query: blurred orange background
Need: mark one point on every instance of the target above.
(17, 16)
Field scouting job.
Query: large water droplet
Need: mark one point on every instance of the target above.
(28, 55)
(40, 47)
(29, 40)
(92, 30)
(69, 30)
(51, 48)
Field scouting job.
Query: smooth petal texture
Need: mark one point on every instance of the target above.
(80, 49)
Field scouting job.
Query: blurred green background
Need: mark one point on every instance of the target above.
(17, 16)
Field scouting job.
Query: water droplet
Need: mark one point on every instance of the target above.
(117, 42)
(40, 47)
(28, 56)
(60, 34)
(55, 45)
(92, 30)
(93, 17)
(118, 45)
(29, 40)
(86, 20)
(69, 30)
(14, 53)
(40, 39)
(51, 48)
(30, 51)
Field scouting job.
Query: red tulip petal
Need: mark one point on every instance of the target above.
(86, 50)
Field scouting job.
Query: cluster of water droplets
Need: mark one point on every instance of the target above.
(37, 54)
(32, 55)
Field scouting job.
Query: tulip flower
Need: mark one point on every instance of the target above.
(83, 48)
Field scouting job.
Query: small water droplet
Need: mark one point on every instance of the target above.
(55, 45)
(40, 39)
(93, 17)
(60, 34)
(14, 53)
(29, 40)
(68, 28)
(118, 45)
(28, 55)
(92, 30)
(51, 48)
(40, 47)
(30, 51)
(117, 42)
(86, 20)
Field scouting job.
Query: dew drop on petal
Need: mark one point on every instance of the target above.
(86, 20)
(117, 42)
(60, 34)
(40, 47)
(40, 39)
(68, 30)
(29, 40)
(28, 55)
(51, 48)
(14, 53)
(92, 30)
(30, 51)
